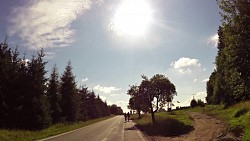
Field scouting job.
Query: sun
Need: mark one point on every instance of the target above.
(132, 17)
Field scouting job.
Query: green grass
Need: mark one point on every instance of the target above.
(24, 135)
(167, 123)
(237, 116)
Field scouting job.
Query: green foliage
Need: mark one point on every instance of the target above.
(195, 103)
(230, 83)
(115, 110)
(28, 100)
(54, 96)
(158, 89)
(68, 90)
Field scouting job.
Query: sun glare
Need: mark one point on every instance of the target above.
(132, 17)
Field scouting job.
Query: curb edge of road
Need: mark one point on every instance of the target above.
(139, 132)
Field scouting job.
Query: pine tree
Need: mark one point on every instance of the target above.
(83, 103)
(37, 106)
(54, 96)
(68, 90)
(5, 66)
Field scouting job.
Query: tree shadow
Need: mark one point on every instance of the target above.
(167, 127)
(131, 128)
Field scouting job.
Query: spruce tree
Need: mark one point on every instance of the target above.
(68, 90)
(37, 106)
(54, 96)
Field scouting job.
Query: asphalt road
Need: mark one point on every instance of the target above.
(114, 129)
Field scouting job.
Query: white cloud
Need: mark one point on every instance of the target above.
(85, 79)
(47, 23)
(122, 103)
(195, 80)
(109, 102)
(25, 61)
(213, 40)
(103, 98)
(201, 95)
(185, 65)
(205, 80)
(49, 55)
(106, 90)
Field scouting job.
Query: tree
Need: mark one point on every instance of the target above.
(232, 79)
(68, 91)
(158, 90)
(37, 105)
(115, 110)
(193, 103)
(83, 92)
(54, 95)
(136, 101)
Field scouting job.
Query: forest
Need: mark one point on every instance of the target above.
(230, 82)
(30, 100)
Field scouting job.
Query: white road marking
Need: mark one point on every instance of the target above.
(139, 133)
(104, 139)
(122, 132)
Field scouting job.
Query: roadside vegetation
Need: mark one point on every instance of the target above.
(27, 135)
(236, 116)
(178, 122)
(172, 123)
(32, 101)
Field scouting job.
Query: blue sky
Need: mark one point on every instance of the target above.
(111, 43)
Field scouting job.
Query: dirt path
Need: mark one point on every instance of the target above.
(206, 127)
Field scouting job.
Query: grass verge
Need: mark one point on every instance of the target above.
(167, 124)
(25, 135)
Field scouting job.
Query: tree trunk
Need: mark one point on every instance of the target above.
(139, 113)
(153, 115)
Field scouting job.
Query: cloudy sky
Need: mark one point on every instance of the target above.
(111, 43)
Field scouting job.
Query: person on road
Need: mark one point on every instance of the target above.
(128, 116)
(125, 116)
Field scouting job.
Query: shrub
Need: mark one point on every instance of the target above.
(193, 103)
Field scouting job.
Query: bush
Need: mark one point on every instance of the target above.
(193, 103)
(200, 103)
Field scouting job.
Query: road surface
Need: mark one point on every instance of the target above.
(114, 129)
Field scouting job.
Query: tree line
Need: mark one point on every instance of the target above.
(151, 95)
(230, 81)
(29, 100)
